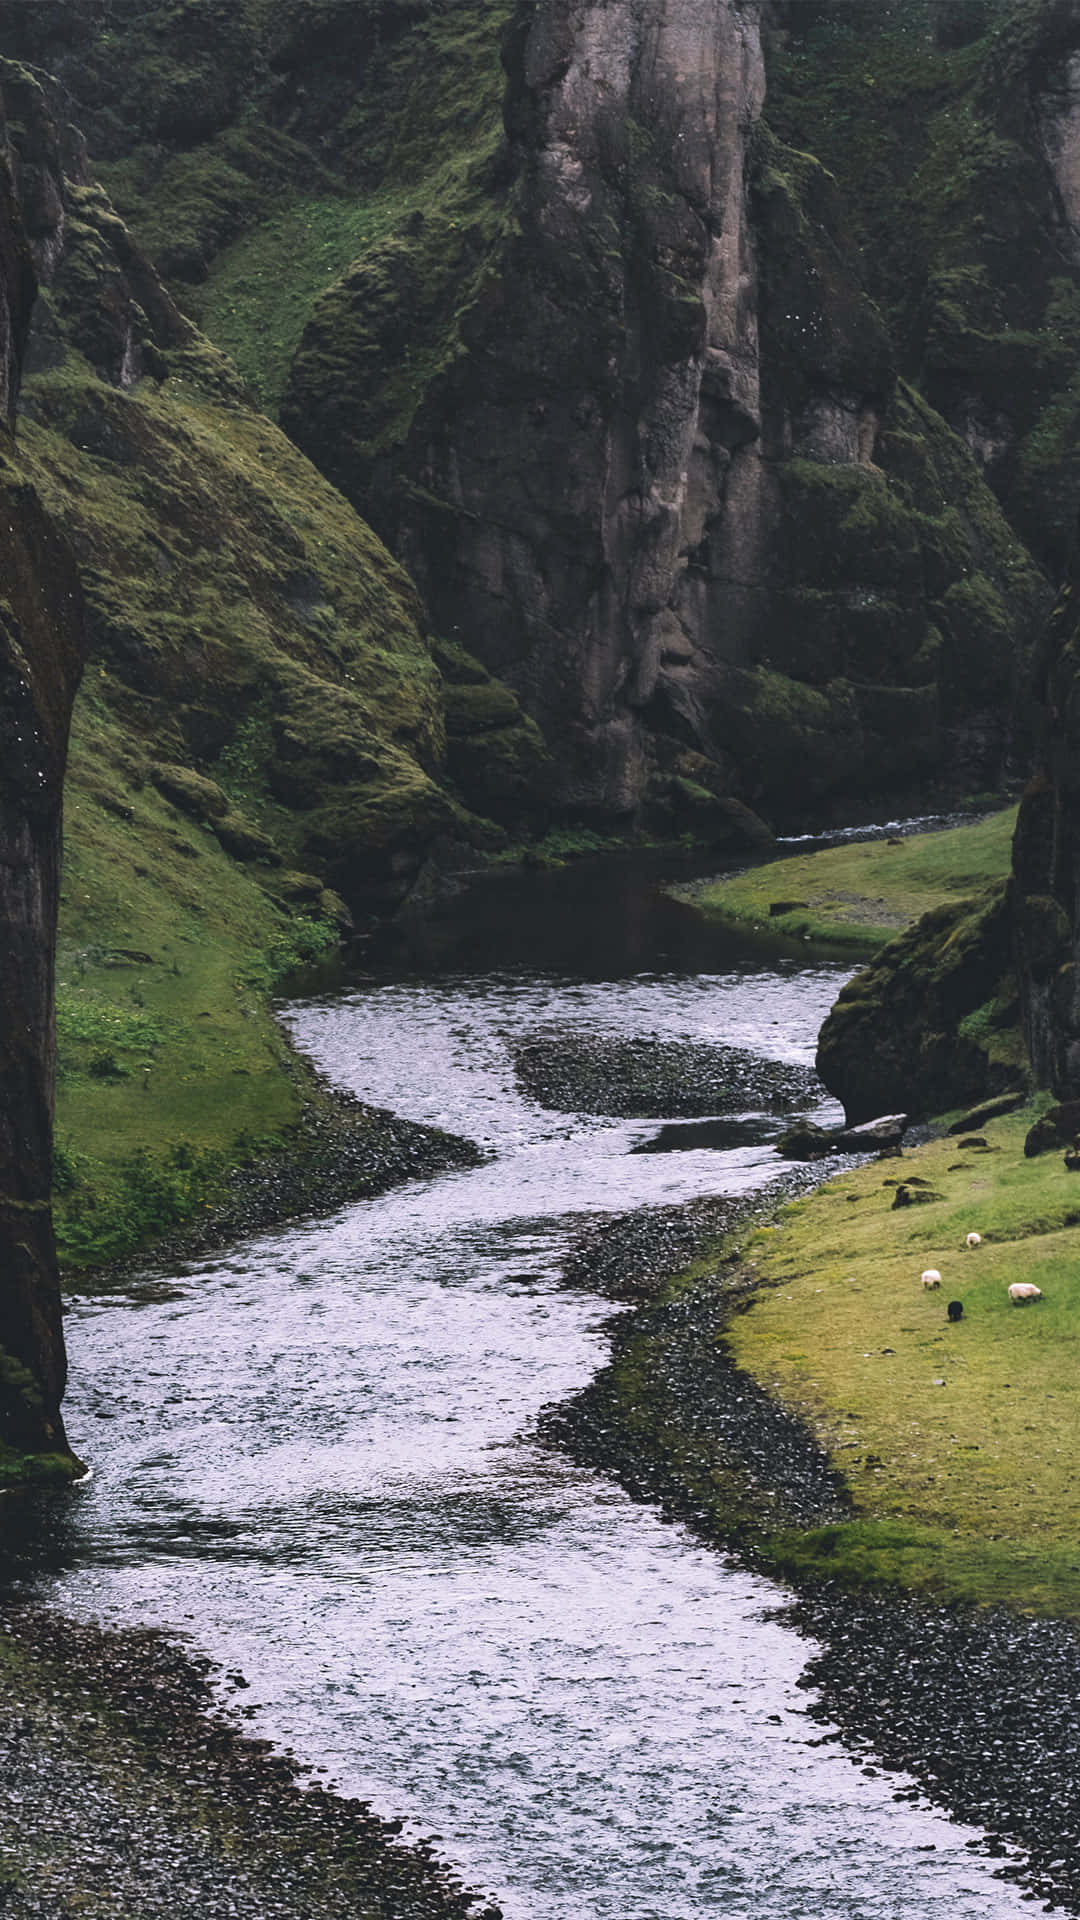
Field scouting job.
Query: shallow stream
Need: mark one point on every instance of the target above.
(313, 1457)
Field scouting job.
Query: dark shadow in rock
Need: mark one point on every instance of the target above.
(754, 1130)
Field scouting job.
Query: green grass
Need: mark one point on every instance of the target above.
(257, 313)
(420, 140)
(860, 897)
(171, 1069)
(964, 1490)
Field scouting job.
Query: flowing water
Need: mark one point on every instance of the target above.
(313, 1456)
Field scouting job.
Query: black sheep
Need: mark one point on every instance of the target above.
(955, 1309)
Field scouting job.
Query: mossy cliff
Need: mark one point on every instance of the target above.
(265, 751)
(951, 133)
(600, 319)
(656, 462)
(1045, 892)
(42, 642)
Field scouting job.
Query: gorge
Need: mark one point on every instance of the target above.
(452, 439)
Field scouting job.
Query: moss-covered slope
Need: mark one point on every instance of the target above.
(663, 482)
(949, 134)
(260, 751)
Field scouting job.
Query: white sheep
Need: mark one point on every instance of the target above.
(931, 1278)
(1022, 1291)
(973, 1240)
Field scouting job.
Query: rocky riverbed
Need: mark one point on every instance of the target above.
(126, 1790)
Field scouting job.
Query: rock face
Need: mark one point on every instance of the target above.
(683, 434)
(662, 476)
(42, 641)
(1046, 861)
(932, 1021)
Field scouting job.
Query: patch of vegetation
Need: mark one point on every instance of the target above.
(955, 1440)
(199, 1077)
(858, 897)
(36, 1469)
(952, 217)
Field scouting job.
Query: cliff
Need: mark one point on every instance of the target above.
(657, 462)
(668, 351)
(268, 752)
(1045, 892)
(42, 644)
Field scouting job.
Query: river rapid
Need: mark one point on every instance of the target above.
(313, 1457)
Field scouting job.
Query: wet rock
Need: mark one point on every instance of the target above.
(809, 1142)
(751, 1131)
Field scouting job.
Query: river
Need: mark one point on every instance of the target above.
(314, 1458)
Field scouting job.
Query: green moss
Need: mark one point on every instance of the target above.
(401, 235)
(480, 709)
(951, 216)
(36, 1469)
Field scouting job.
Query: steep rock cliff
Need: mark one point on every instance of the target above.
(956, 157)
(610, 381)
(42, 642)
(1045, 890)
(653, 461)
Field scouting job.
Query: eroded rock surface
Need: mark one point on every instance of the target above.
(1046, 862)
(42, 641)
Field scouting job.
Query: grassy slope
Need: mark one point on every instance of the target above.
(416, 148)
(967, 1489)
(244, 619)
(170, 1068)
(861, 896)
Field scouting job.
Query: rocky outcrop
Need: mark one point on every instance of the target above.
(932, 1022)
(1046, 861)
(42, 641)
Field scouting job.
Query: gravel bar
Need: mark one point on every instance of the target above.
(649, 1078)
(126, 1792)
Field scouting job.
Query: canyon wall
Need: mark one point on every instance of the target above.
(687, 358)
(1045, 889)
(42, 643)
(653, 454)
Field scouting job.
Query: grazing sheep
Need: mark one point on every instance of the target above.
(1022, 1291)
(973, 1240)
(955, 1309)
(931, 1278)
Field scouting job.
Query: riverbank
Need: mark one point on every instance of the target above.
(859, 896)
(793, 1393)
(950, 1443)
(184, 1115)
(127, 1790)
